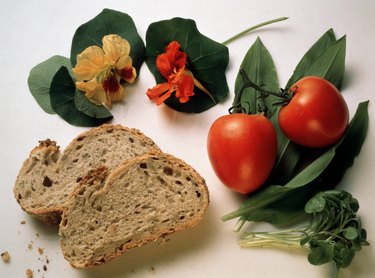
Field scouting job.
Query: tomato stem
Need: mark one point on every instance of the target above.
(248, 83)
(259, 101)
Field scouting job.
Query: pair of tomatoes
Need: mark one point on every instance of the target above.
(243, 148)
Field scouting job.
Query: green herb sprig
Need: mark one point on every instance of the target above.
(333, 234)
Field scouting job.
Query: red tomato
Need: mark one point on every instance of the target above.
(317, 115)
(242, 149)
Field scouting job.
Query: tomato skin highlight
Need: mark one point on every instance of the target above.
(317, 115)
(242, 150)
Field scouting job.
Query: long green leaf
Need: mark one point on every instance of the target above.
(259, 67)
(207, 60)
(62, 94)
(105, 23)
(331, 64)
(318, 48)
(40, 78)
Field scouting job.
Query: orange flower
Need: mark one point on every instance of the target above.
(99, 71)
(180, 80)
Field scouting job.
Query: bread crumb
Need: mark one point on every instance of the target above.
(29, 273)
(23, 222)
(152, 270)
(44, 267)
(30, 246)
(41, 251)
(5, 257)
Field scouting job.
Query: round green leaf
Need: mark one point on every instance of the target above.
(321, 254)
(40, 78)
(315, 204)
(105, 23)
(350, 233)
(207, 60)
(62, 94)
(85, 106)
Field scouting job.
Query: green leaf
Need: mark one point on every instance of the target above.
(349, 147)
(350, 233)
(260, 69)
(315, 204)
(318, 48)
(331, 64)
(84, 105)
(40, 78)
(344, 258)
(321, 254)
(314, 170)
(207, 60)
(105, 23)
(63, 93)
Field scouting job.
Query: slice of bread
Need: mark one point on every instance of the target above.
(141, 201)
(47, 177)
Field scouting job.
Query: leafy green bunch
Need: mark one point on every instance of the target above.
(333, 234)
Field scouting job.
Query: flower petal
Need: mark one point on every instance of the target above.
(177, 57)
(172, 60)
(184, 86)
(113, 88)
(89, 63)
(94, 92)
(125, 69)
(160, 92)
(115, 47)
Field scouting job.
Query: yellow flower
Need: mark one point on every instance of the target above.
(99, 71)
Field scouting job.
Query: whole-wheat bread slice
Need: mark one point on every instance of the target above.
(47, 177)
(141, 201)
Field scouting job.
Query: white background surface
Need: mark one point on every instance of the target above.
(33, 31)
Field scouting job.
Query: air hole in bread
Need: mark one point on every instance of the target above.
(99, 208)
(81, 138)
(19, 196)
(162, 181)
(182, 217)
(75, 160)
(109, 130)
(131, 140)
(143, 165)
(47, 182)
(79, 147)
(188, 178)
(198, 193)
(78, 179)
(168, 171)
(178, 182)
